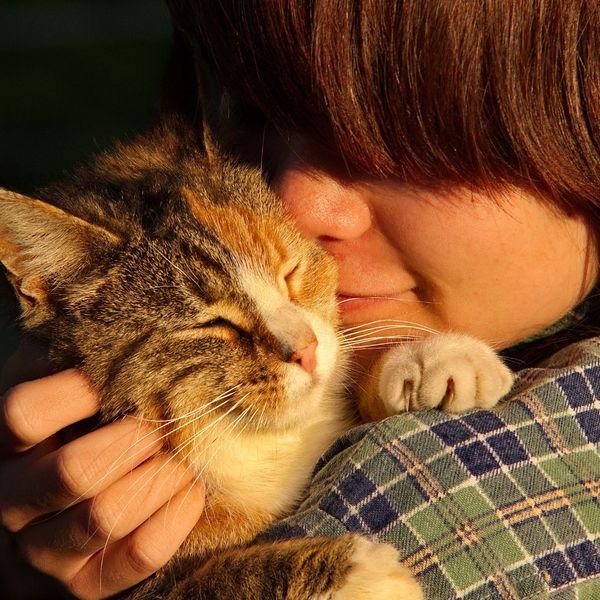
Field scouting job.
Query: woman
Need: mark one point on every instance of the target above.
(447, 154)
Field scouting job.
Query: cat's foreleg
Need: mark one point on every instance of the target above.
(452, 371)
(345, 568)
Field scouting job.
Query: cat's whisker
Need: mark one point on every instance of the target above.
(228, 429)
(389, 344)
(211, 426)
(378, 340)
(365, 338)
(204, 412)
(262, 415)
(208, 427)
(177, 268)
(379, 328)
(241, 417)
(189, 454)
(202, 409)
(409, 331)
(146, 483)
(149, 481)
(382, 330)
(227, 393)
(115, 463)
(357, 371)
(208, 461)
(399, 322)
(173, 455)
(372, 334)
(203, 431)
(200, 413)
(394, 298)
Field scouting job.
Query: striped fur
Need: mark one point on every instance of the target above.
(185, 294)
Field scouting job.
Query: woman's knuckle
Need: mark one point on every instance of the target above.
(71, 477)
(105, 520)
(35, 554)
(143, 558)
(78, 588)
(10, 519)
(15, 419)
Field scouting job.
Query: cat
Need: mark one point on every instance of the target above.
(172, 277)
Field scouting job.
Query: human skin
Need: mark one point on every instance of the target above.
(498, 266)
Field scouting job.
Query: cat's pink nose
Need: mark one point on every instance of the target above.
(306, 357)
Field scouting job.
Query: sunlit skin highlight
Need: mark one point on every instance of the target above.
(499, 266)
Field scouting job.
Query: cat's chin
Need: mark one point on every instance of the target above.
(314, 405)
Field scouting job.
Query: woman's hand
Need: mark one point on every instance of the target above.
(100, 512)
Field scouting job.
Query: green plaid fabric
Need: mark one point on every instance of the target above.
(484, 505)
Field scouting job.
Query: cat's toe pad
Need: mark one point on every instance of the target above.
(452, 371)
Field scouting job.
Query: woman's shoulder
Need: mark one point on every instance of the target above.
(572, 371)
(581, 353)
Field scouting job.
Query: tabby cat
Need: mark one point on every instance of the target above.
(172, 278)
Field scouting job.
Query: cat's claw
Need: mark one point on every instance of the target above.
(453, 371)
(376, 574)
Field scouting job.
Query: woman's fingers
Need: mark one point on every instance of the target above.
(61, 545)
(33, 411)
(101, 507)
(139, 555)
(74, 472)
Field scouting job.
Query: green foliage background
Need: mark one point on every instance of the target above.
(75, 74)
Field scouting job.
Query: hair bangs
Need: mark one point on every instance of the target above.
(479, 93)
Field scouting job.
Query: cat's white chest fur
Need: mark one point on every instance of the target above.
(269, 471)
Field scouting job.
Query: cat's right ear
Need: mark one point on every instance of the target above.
(42, 246)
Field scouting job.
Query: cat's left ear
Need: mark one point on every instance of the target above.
(42, 246)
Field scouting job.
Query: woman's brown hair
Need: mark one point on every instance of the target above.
(479, 93)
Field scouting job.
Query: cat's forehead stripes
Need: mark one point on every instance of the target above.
(254, 237)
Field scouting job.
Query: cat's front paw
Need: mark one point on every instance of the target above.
(376, 574)
(453, 371)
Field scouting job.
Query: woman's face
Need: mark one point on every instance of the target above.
(497, 268)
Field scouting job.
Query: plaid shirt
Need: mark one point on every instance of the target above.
(483, 505)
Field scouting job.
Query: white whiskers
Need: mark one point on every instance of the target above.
(372, 335)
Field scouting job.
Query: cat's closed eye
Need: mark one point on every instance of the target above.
(290, 281)
(223, 323)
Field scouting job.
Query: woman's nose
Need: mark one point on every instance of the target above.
(324, 207)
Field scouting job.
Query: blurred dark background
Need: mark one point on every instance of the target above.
(74, 75)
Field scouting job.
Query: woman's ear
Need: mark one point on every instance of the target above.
(42, 246)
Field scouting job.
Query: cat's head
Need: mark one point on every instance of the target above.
(182, 290)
